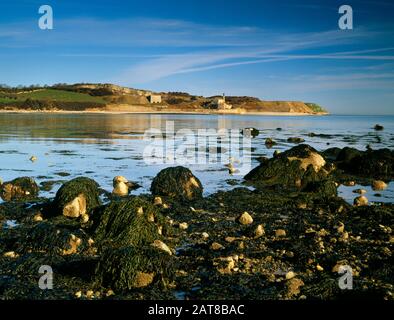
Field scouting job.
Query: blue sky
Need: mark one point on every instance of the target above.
(279, 50)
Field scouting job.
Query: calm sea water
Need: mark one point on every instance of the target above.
(102, 146)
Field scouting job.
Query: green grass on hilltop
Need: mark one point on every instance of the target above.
(52, 95)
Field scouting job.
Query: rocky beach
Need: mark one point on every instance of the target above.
(281, 232)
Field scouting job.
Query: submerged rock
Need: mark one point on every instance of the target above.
(23, 188)
(177, 182)
(126, 222)
(130, 267)
(75, 198)
(295, 140)
(378, 127)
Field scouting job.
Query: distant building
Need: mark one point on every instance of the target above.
(154, 98)
(221, 104)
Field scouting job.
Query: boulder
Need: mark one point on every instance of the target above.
(378, 164)
(295, 168)
(20, 189)
(75, 198)
(131, 267)
(178, 183)
(127, 222)
(295, 140)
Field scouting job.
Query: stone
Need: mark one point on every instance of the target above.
(143, 279)
(293, 287)
(161, 246)
(183, 226)
(74, 243)
(379, 185)
(78, 294)
(259, 231)
(23, 188)
(216, 246)
(33, 158)
(205, 235)
(280, 233)
(38, 217)
(361, 201)
(245, 218)
(230, 239)
(84, 218)
(319, 268)
(178, 183)
(75, 197)
(378, 127)
(120, 185)
(157, 201)
(269, 142)
(295, 140)
(290, 275)
(75, 207)
(360, 191)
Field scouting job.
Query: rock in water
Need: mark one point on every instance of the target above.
(131, 267)
(76, 197)
(295, 168)
(245, 218)
(295, 140)
(177, 182)
(379, 185)
(23, 188)
(127, 222)
(378, 127)
(120, 185)
(361, 201)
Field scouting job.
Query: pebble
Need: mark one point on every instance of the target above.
(290, 275)
(340, 227)
(161, 246)
(259, 231)
(183, 226)
(78, 294)
(230, 239)
(361, 201)
(319, 268)
(280, 233)
(110, 293)
(38, 217)
(216, 246)
(33, 158)
(89, 294)
(205, 235)
(245, 218)
(10, 254)
(157, 201)
(360, 191)
(84, 218)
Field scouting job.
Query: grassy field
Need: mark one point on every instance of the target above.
(53, 95)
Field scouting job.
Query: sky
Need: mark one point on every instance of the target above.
(273, 50)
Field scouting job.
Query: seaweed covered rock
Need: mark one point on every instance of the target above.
(126, 222)
(75, 198)
(23, 188)
(371, 163)
(295, 168)
(177, 182)
(129, 267)
(47, 237)
(347, 154)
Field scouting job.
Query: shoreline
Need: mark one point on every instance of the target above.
(202, 112)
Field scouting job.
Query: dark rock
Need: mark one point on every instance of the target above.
(295, 140)
(331, 154)
(131, 267)
(251, 132)
(133, 221)
(75, 197)
(347, 154)
(269, 142)
(294, 168)
(177, 182)
(23, 188)
(378, 127)
(378, 164)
